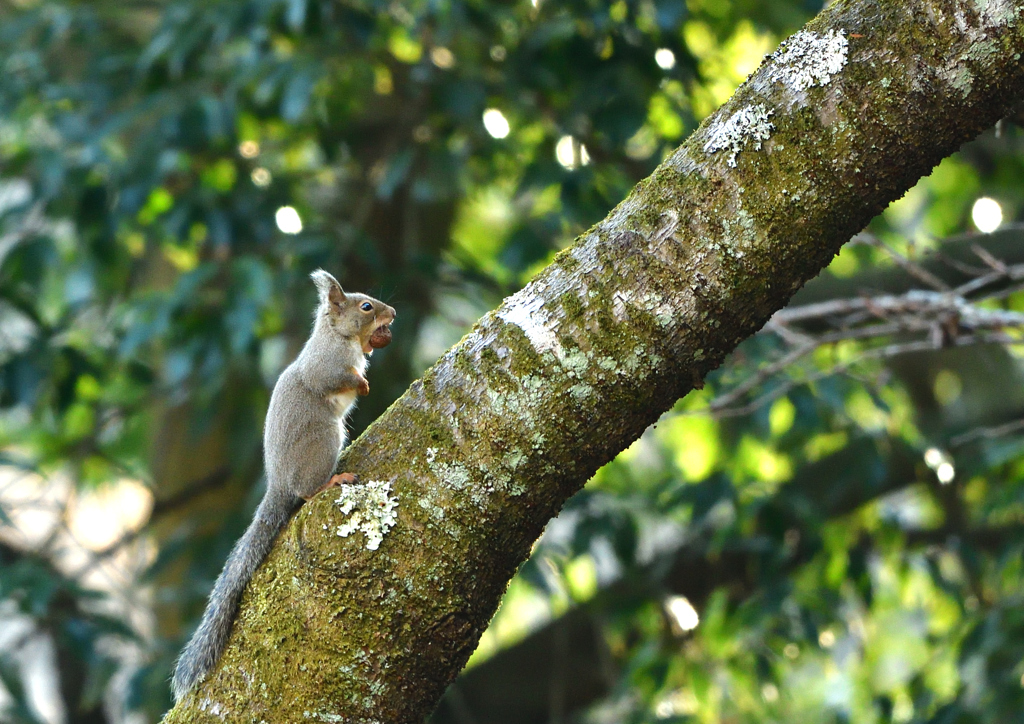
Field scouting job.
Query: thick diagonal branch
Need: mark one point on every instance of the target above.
(489, 444)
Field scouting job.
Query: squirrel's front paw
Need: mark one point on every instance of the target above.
(363, 388)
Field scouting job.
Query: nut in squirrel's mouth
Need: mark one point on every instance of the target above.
(381, 337)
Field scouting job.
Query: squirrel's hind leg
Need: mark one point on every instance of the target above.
(335, 481)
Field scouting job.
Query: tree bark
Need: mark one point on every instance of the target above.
(486, 447)
(495, 691)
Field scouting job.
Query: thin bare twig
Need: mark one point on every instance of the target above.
(720, 410)
(761, 376)
(914, 303)
(1003, 293)
(983, 254)
(987, 433)
(908, 265)
(942, 315)
(759, 402)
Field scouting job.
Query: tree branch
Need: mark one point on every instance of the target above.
(882, 316)
(566, 373)
(871, 468)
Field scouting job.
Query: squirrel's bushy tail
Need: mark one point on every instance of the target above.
(211, 636)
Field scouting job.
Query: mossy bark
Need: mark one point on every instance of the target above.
(486, 448)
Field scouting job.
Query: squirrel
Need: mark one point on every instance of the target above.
(303, 436)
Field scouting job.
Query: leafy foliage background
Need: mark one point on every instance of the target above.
(148, 300)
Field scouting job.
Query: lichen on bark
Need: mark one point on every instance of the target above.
(488, 445)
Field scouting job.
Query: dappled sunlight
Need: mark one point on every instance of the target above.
(828, 529)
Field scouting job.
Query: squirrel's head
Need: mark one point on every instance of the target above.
(352, 315)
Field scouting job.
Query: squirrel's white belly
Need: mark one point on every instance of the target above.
(341, 403)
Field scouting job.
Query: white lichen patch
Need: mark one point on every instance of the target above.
(651, 301)
(518, 404)
(997, 12)
(526, 310)
(740, 231)
(581, 393)
(370, 508)
(808, 59)
(959, 77)
(454, 475)
(213, 707)
(576, 363)
(324, 716)
(332, 718)
(515, 459)
(435, 511)
(747, 125)
(983, 51)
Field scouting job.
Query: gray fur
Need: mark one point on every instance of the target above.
(211, 636)
(302, 437)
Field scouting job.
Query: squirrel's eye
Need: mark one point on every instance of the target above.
(366, 307)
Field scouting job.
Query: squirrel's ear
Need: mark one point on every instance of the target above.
(329, 288)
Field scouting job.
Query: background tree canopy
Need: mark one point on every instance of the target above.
(830, 530)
